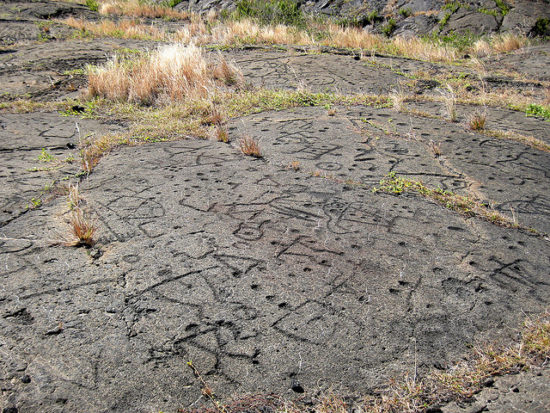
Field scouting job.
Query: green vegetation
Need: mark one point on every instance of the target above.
(459, 41)
(172, 3)
(405, 12)
(92, 5)
(389, 27)
(488, 12)
(35, 203)
(504, 8)
(538, 110)
(542, 27)
(452, 6)
(45, 156)
(463, 205)
(285, 12)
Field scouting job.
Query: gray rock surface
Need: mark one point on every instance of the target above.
(278, 274)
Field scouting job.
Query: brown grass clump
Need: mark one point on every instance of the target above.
(221, 134)
(477, 121)
(250, 147)
(418, 49)
(508, 42)
(501, 43)
(353, 37)
(136, 8)
(170, 73)
(82, 227)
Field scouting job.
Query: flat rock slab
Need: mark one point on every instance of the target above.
(531, 61)
(364, 144)
(262, 276)
(283, 274)
(37, 151)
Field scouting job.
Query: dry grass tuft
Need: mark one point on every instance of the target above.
(508, 42)
(82, 227)
(93, 150)
(501, 43)
(171, 73)
(477, 121)
(418, 49)
(435, 148)
(221, 134)
(398, 100)
(249, 146)
(353, 37)
(73, 198)
(450, 104)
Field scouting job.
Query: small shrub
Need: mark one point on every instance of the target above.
(504, 8)
(373, 17)
(477, 121)
(45, 156)
(92, 5)
(405, 12)
(389, 27)
(541, 27)
(250, 147)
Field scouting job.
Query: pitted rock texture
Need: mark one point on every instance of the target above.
(282, 274)
(259, 274)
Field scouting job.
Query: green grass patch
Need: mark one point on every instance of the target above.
(538, 110)
(464, 205)
(92, 5)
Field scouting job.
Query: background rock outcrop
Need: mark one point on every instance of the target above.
(475, 17)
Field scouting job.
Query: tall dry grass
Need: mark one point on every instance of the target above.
(501, 43)
(247, 31)
(127, 29)
(136, 8)
(169, 73)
